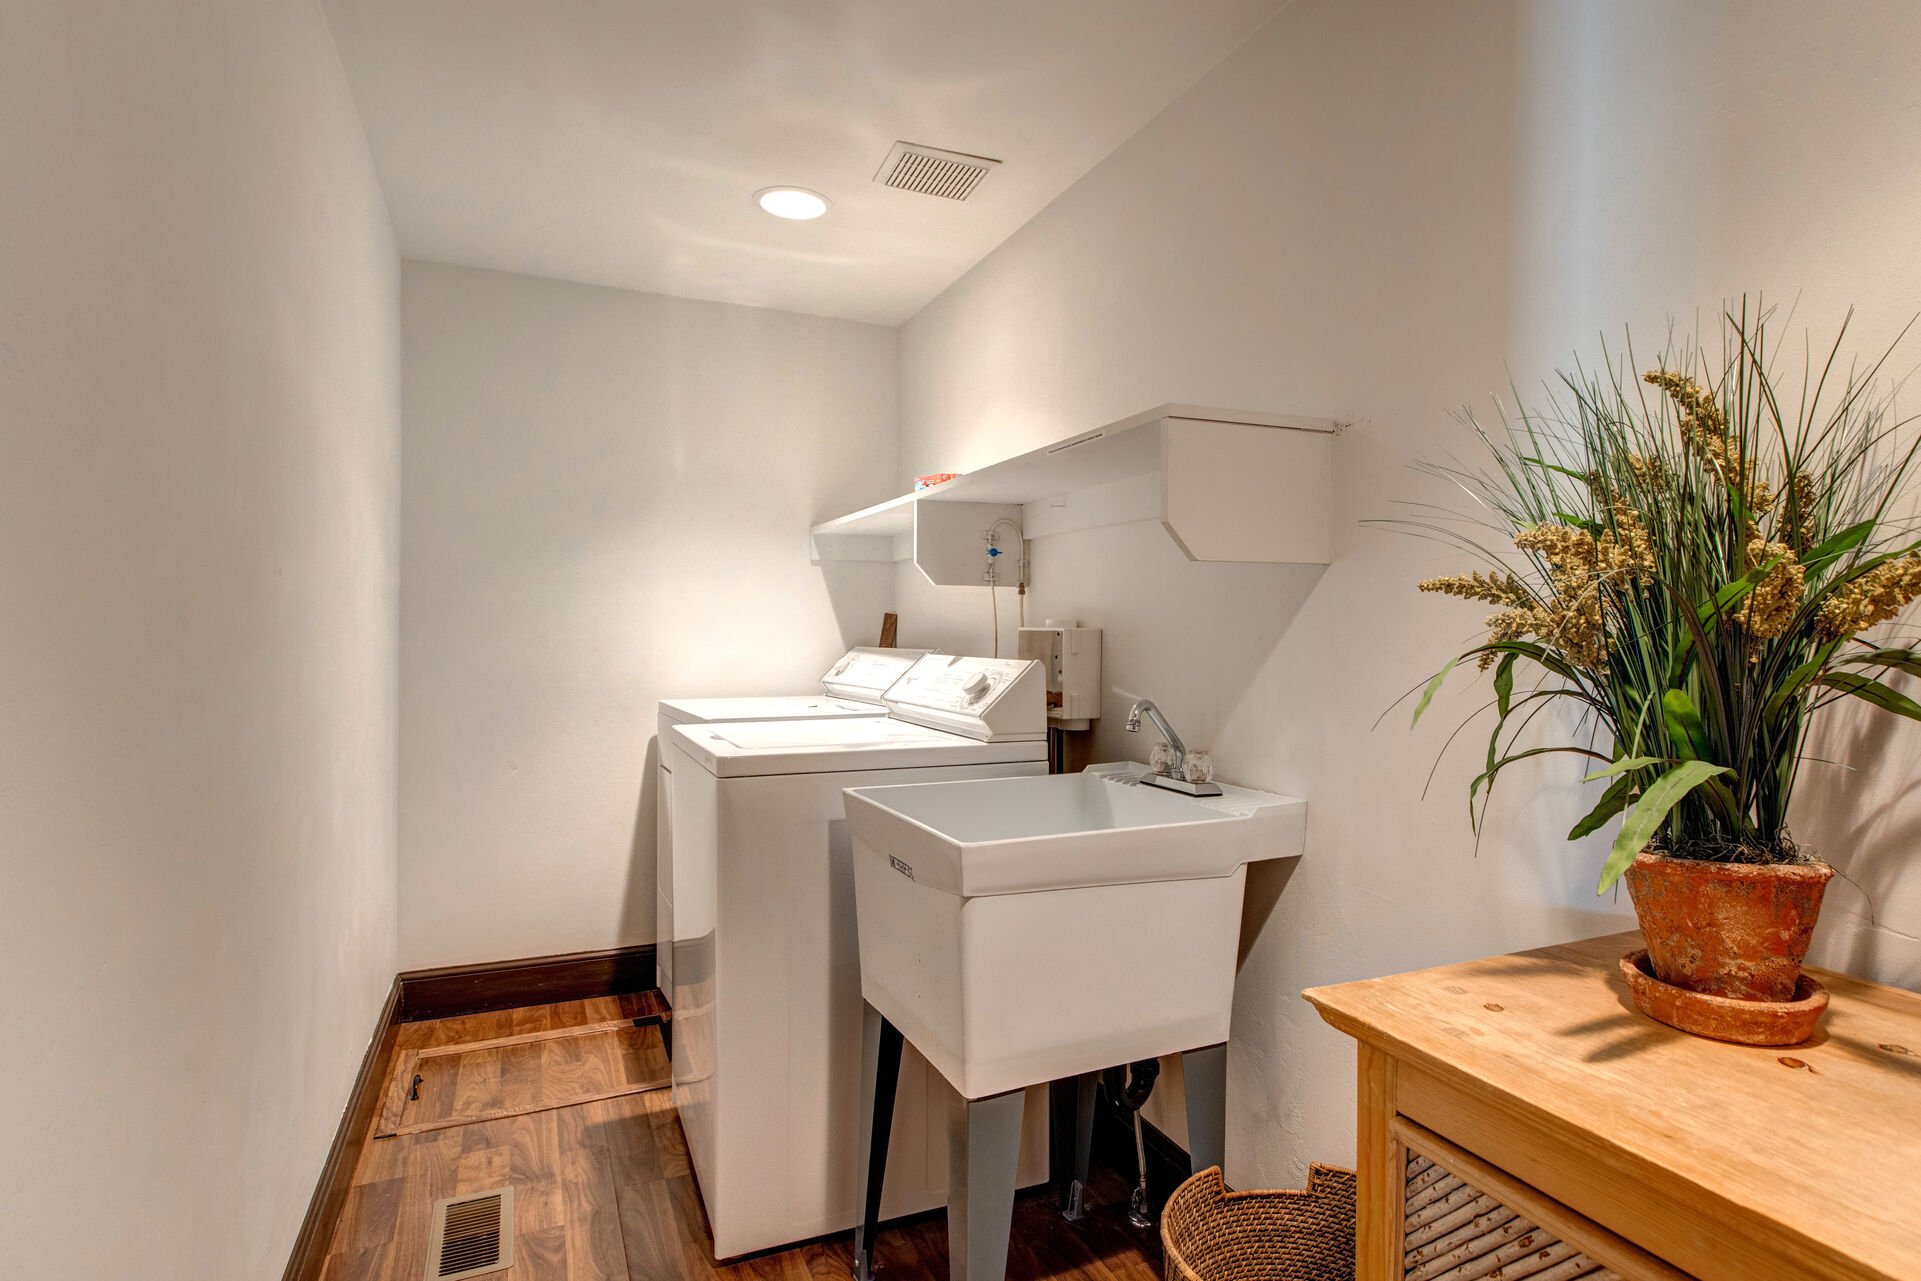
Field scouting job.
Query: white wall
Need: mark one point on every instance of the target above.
(198, 454)
(606, 503)
(1363, 214)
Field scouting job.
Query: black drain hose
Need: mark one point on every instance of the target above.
(1130, 1086)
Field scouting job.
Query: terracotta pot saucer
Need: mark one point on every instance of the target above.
(1721, 1017)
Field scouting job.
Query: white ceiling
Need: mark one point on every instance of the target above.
(619, 142)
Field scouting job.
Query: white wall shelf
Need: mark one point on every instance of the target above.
(1226, 485)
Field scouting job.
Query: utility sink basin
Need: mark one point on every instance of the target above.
(1026, 929)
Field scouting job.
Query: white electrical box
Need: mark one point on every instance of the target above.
(1071, 657)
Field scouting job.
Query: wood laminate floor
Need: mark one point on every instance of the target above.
(603, 1189)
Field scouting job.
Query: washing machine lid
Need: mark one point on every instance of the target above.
(775, 707)
(749, 749)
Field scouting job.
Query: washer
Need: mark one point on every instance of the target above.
(853, 686)
(767, 1002)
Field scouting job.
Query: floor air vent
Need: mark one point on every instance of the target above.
(933, 172)
(471, 1235)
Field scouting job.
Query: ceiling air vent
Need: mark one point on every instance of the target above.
(933, 172)
(471, 1235)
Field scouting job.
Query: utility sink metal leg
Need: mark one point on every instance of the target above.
(983, 1165)
(880, 1051)
(1085, 1087)
(1204, 1073)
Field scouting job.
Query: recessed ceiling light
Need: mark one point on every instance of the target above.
(791, 202)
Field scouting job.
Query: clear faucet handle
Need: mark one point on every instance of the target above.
(1198, 767)
(1160, 758)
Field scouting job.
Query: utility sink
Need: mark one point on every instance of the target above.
(1027, 929)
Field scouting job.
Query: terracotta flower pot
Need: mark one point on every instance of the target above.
(1728, 929)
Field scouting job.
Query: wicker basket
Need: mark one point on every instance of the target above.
(1211, 1234)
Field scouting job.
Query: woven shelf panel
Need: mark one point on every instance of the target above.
(1456, 1232)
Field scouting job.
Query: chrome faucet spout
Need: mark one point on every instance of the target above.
(1175, 779)
(1145, 707)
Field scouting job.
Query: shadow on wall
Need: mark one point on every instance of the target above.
(1855, 804)
(859, 594)
(639, 914)
(1195, 638)
(1265, 882)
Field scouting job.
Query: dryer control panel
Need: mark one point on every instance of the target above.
(994, 700)
(866, 673)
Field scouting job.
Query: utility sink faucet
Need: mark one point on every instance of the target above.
(1145, 707)
(1173, 780)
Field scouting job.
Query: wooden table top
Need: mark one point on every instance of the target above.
(1819, 1142)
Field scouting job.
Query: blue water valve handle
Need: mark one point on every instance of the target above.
(993, 552)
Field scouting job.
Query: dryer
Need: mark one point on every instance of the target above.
(853, 686)
(767, 997)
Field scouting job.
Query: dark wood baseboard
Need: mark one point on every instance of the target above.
(535, 980)
(356, 1123)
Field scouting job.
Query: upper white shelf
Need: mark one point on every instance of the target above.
(1226, 484)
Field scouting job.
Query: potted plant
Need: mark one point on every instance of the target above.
(1694, 562)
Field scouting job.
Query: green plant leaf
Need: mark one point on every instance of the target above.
(1685, 731)
(1838, 545)
(1613, 801)
(1690, 741)
(1433, 687)
(1530, 650)
(1504, 684)
(1565, 471)
(1796, 681)
(1693, 637)
(1900, 660)
(1650, 811)
(1860, 567)
(1721, 797)
(1627, 763)
(1872, 691)
(1732, 593)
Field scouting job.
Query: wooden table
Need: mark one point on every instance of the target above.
(1653, 1154)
